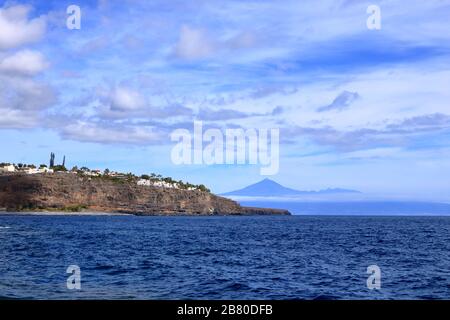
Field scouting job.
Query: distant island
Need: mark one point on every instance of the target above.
(270, 188)
(30, 188)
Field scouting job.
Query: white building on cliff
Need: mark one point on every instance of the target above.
(8, 168)
(158, 184)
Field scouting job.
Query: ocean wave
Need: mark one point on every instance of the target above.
(321, 258)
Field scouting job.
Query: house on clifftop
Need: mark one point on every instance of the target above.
(7, 168)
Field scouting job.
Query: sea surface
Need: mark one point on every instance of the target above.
(266, 257)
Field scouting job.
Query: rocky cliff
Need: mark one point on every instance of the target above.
(72, 192)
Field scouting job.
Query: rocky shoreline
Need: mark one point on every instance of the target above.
(73, 193)
(4, 212)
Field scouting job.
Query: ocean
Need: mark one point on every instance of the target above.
(234, 257)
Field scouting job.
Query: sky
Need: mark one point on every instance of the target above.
(356, 108)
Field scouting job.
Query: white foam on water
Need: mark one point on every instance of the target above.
(5, 227)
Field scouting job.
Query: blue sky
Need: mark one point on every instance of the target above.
(356, 108)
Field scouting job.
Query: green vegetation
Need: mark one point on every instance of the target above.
(59, 168)
(23, 165)
(52, 160)
(203, 188)
(74, 208)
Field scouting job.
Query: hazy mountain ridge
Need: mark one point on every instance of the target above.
(270, 188)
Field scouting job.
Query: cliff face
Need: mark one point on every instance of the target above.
(71, 192)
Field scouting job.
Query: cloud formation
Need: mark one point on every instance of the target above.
(342, 101)
(209, 114)
(396, 134)
(24, 62)
(338, 91)
(16, 29)
(23, 99)
(193, 44)
(197, 43)
(111, 133)
(125, 99)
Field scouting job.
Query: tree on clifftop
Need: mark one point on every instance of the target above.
(59, 168)
(52, 160)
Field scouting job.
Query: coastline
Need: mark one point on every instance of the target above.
(76, 194)
(99, 213)
(60, 213)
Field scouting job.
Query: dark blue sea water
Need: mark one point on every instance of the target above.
(293, 257)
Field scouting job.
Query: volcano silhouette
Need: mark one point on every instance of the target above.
(268, 187)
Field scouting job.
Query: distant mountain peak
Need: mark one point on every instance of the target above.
(268, 182)
(268, 187)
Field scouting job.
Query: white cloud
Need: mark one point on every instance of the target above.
(95, 44)
(11, 118)
(22, 101)
(126, 99)
(196, 43)
(24, 94)
(24, 62)
(387, 96)
(193, 44)
(96, 132)
(15, 28)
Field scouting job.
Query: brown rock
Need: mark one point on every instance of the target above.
(72, 192)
